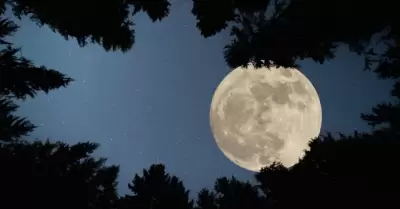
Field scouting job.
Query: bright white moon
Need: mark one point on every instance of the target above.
(259, 116)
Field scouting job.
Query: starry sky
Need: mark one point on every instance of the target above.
(151, 104)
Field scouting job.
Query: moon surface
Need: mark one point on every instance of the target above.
(259, 116)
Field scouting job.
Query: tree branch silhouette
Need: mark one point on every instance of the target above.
(106, 23)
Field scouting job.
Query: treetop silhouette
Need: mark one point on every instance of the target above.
(350, 171)
(105, 22)
(20, 78)
(158, 190)
(12, 127)
(54, 174)
(212, 17)
(230, 194)
(283, 31)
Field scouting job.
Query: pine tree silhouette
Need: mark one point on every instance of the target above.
(230, 194)
(349, 171)
(282, 32)
(206, 200)
(156, 189)
(20, 78)
(55, 175)
(105, 22)
(12, 127)
(43, 174)
(385, 117)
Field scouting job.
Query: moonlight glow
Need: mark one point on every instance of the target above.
(259, 116)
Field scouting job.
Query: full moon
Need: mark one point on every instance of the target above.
(259, 116)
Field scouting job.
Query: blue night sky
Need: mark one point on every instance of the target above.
(151, 104)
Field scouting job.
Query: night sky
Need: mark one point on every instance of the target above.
(151, 104)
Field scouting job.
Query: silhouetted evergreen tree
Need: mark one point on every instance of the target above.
(283, 31)
(55, 175)
(43, 174)
(156, 189)
(104, 22)
(20, 78)
(385, 117)
(350, 171)
(206, 200)
(12, 127)
(230, 194)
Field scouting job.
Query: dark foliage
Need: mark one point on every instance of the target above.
(155, 9)
(7, 28)
(206, 200)
(385, 117)
(283, 31)
(231, 194)
(12, 127)
(156, 189)
(20, 78)
(351, 171)
(104, 22)
(214, 16)
(55, 175)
